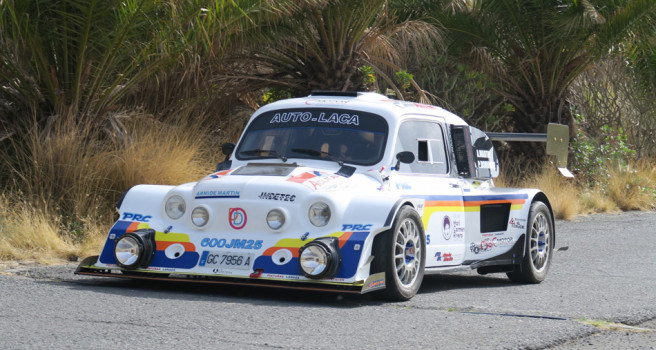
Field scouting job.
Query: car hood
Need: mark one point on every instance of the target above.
(283, 182)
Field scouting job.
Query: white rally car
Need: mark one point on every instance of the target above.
(337, 191)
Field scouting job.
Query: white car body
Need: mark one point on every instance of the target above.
(466, 222)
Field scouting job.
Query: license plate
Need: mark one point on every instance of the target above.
(229, 260)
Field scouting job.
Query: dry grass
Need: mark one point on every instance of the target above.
(158, 154)
(66, 182)
(561, 191)
(595, 201)
(632, 187)
(28, 233)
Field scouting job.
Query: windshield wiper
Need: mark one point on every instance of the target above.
(269, 151)
(315, 153)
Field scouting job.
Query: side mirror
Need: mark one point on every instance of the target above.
(227, 149)
(405, 157)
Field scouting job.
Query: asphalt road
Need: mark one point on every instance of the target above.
(600, 294)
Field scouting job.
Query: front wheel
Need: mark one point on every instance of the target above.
(539, 246)
(400, 253)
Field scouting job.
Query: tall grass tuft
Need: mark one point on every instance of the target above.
(562, 192)
(632, 187)
(64, 183)
(30, 233)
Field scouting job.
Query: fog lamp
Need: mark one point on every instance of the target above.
(135, 249)
(320, 259)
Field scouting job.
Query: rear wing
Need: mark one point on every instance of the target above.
(557, 139)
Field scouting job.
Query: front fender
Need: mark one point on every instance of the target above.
(143, 203)
(372, 215)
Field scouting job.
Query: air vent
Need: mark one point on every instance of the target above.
(462, 149)
(334, 93)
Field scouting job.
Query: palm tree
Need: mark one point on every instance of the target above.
(323, 46)
(72, 57)
(534, 49)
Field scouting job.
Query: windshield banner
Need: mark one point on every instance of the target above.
(319, 117)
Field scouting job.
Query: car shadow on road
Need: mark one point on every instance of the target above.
(256, 295)
(446, 282)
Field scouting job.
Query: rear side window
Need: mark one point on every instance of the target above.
(426, 140)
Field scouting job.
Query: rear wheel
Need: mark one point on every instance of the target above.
(539, 246)
(401, 254)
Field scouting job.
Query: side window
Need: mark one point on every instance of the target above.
(426, 140)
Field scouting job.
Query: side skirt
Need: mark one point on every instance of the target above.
(506, 262)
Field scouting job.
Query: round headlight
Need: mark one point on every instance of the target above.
(319, 214)
(175, 207)
(314, 260)
(128, 251)
(320, 259)
(200, 216)
(275, 219)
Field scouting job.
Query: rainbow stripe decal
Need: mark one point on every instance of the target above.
(435, 204)
(187, 260)
(347, 246)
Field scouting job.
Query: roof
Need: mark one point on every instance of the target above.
(369, 101)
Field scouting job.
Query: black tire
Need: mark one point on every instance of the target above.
(538, 248)
(401, 254)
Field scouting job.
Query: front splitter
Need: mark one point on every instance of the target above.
(86, 267)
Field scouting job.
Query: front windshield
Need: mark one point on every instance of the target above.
(343, 136)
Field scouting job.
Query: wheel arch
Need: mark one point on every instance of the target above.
(389, 221)
(397, 207)
(541, 197)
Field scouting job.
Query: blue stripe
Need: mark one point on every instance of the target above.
(492, 197)
(435, 198)
(495, 197)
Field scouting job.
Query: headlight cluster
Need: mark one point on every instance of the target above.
(135, 249)
(175, 207)
(320, 258)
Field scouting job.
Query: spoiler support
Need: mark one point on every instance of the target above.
(557, 139)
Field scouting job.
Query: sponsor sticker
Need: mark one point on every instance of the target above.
(446, 227)
(451, 228)
(283, 197)
(217, 194)
(305, 117)
(237, 218)
(490, 243)
(518, 223)
(439, 256)
(356, 227)
(374, 282)
(136, 217)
